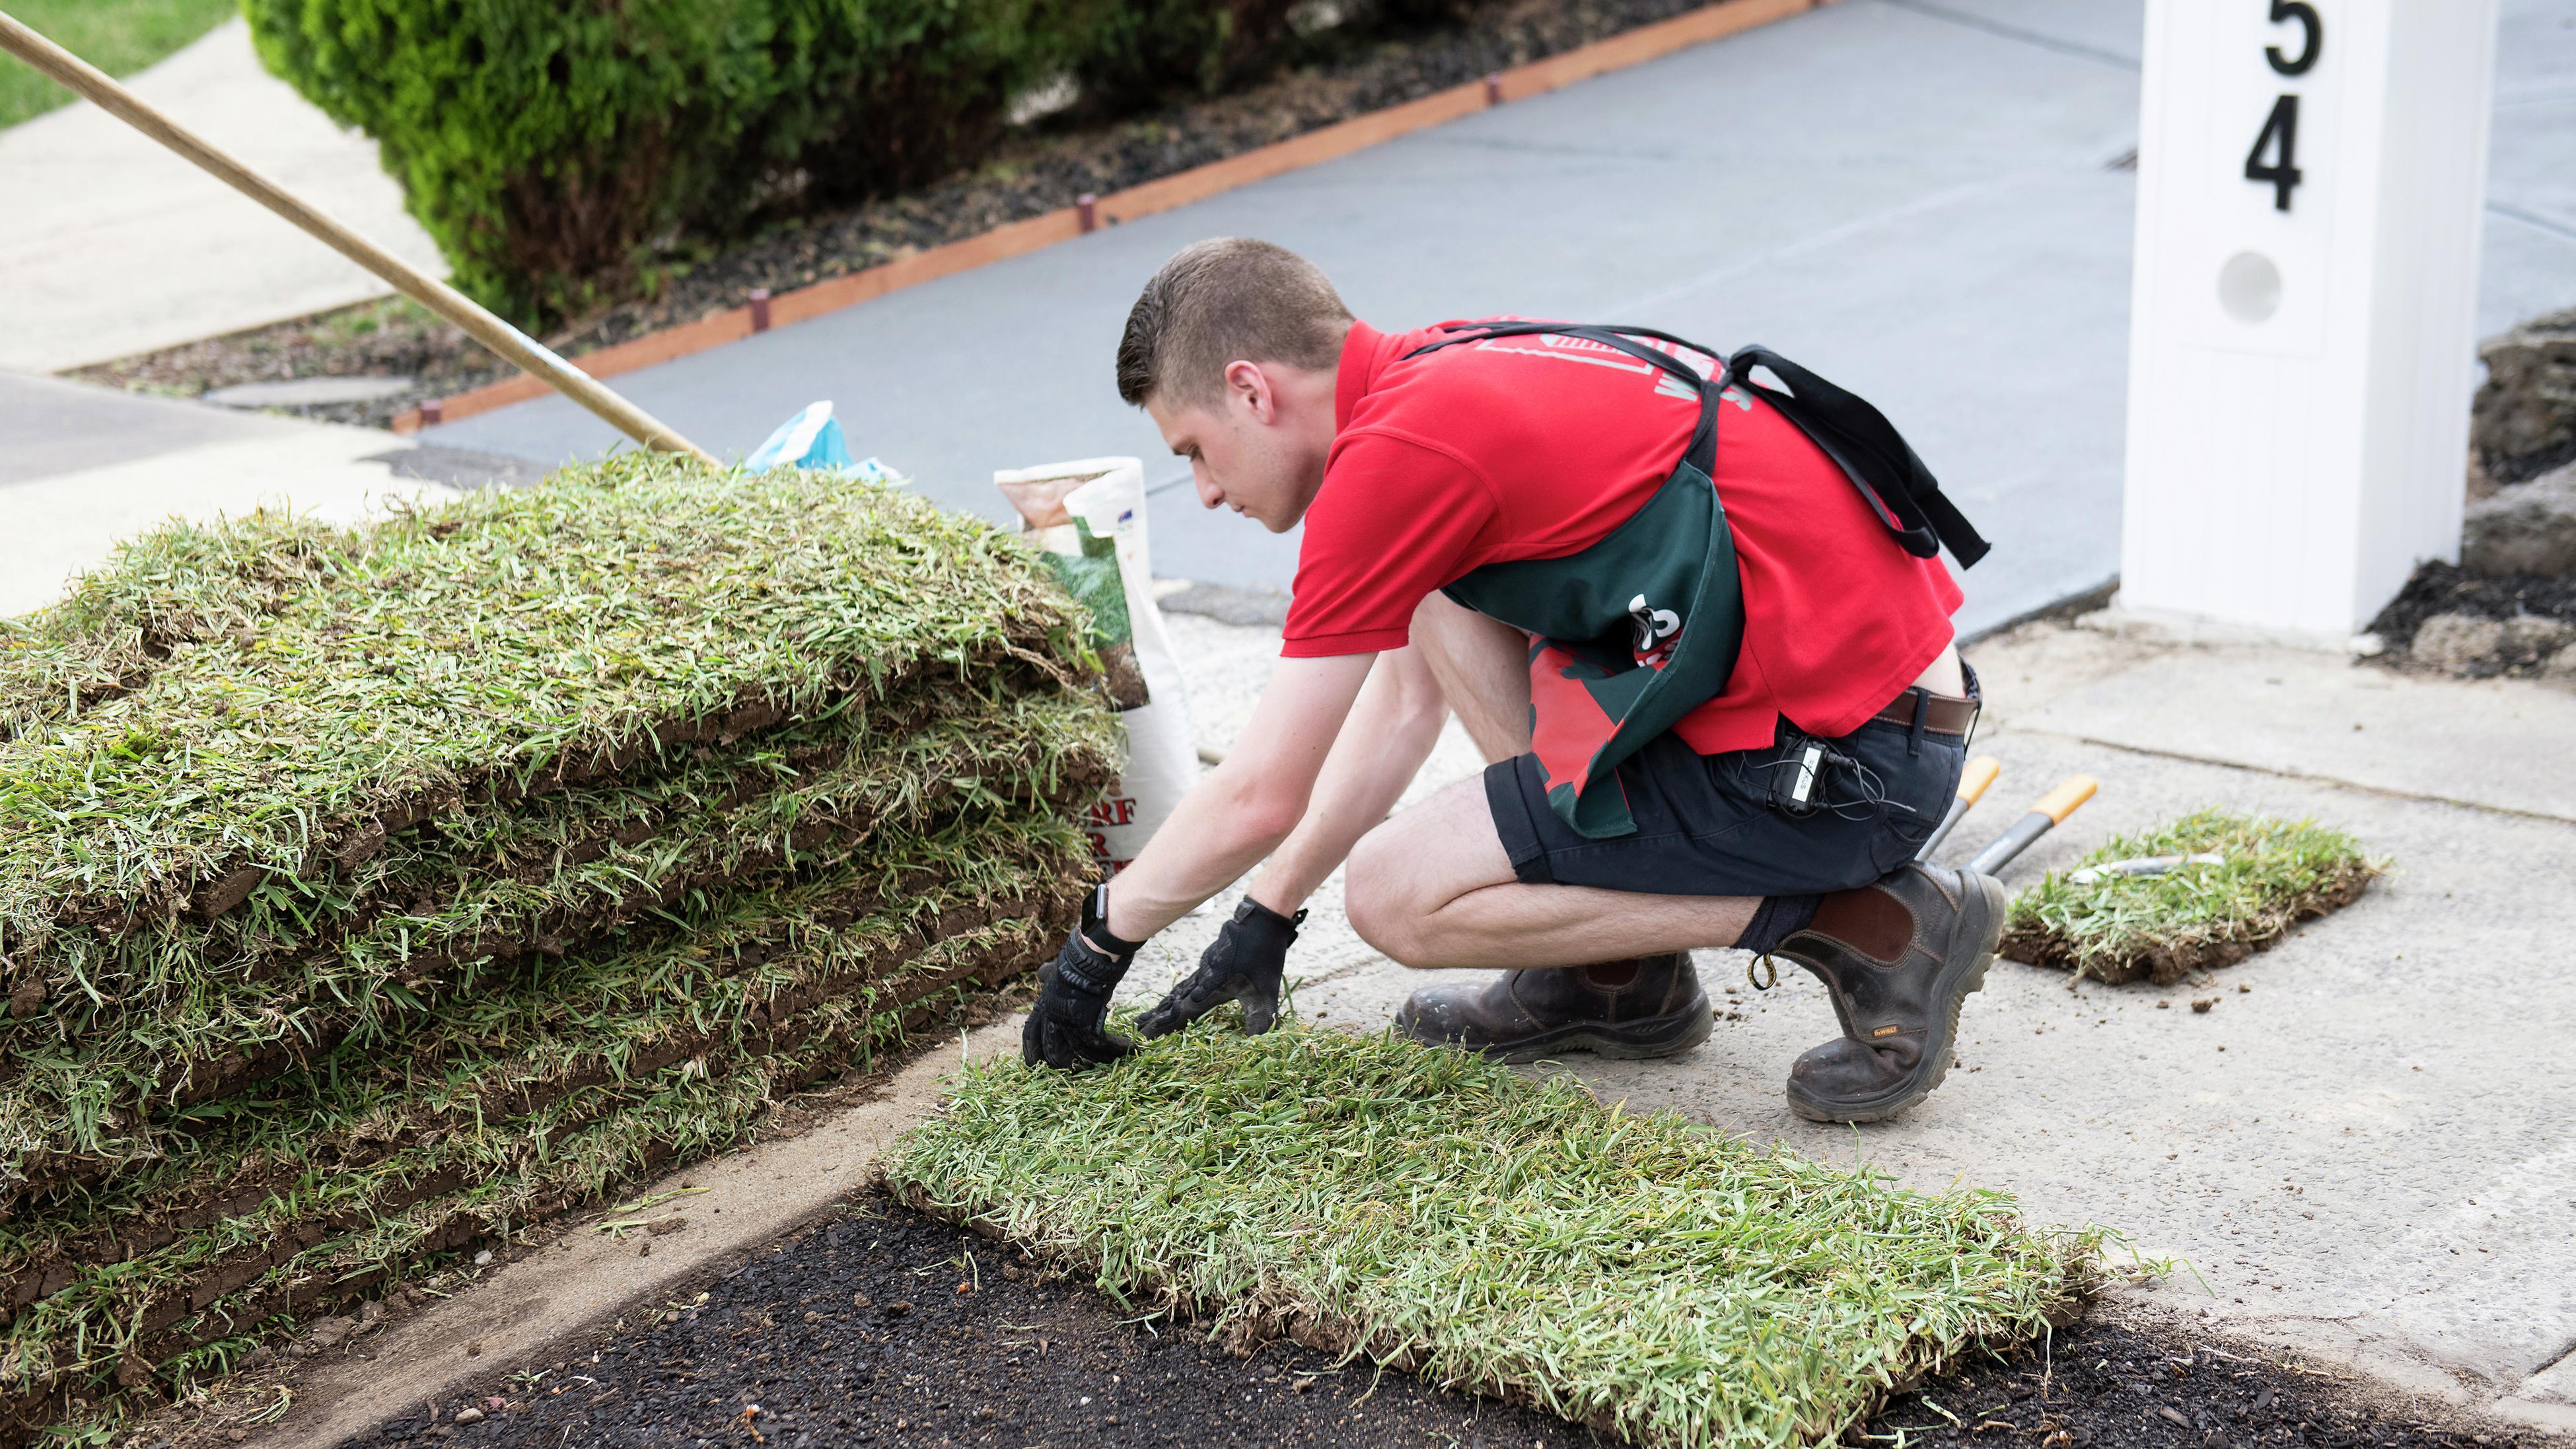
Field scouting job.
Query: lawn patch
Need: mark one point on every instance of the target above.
(1430, 1210)
(2119, 928)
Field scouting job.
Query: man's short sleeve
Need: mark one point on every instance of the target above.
(1395, 519)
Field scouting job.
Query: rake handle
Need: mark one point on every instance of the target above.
(509, 342)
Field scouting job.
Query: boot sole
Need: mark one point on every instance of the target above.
(1942, 1048)
(1664, 1036)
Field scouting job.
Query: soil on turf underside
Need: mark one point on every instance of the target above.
(887, 1328)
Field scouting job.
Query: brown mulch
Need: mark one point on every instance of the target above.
(1038, 169)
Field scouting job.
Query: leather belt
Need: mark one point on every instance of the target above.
(1944, 714)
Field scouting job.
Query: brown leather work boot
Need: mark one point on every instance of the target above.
(1898, 956)
(1648, 1007)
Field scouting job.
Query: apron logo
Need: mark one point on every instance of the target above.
(1654, 628)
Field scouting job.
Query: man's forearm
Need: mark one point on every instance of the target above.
(1240, 811)
(1219, 830)
(1390, 732)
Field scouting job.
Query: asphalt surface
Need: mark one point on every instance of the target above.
(1918, 198)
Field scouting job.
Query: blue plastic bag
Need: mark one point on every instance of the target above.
(812, 439)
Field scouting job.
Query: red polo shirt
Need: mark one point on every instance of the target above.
(1537, 447)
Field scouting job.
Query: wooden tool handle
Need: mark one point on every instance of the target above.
(513, 345)
(1979, 774)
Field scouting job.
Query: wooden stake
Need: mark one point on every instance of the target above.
(513, 345)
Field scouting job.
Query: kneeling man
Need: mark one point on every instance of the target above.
(1691, 609)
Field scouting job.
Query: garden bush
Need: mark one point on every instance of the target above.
(545, 144)
(552, 147)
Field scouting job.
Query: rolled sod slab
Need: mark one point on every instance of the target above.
(68, 1384)
(501, 877)
(97, 1115)
(734, 983)
(135, 1303)
(155, 1017)
(509, 643)
(1426, 1209)
(2163, 928)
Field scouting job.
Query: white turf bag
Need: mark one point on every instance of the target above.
(1089, 517)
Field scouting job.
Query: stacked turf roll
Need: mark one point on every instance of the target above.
(369, 895)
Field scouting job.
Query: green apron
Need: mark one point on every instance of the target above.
(1636, 631)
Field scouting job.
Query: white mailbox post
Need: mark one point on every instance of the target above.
(2310, 179)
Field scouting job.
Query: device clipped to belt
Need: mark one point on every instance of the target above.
(1809, 776)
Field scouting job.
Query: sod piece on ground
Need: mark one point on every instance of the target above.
(1431, 1210)
(2162, 928)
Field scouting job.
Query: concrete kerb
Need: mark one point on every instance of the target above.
(2351, 1188)
(525, 1313)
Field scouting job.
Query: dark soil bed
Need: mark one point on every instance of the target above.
(2441, 588)
(887, 1328)
(1036, 171)
(2117, 1385)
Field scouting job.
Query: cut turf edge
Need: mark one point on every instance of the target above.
(93, 1406)
(1433, 1212)
(2163, 929)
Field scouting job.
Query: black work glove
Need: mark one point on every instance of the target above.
(1242, 964)
(1066, 1028)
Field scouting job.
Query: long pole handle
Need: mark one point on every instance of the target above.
(513, 345)
(2043, 816)
(1973, 780)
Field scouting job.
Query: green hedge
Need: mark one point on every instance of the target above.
(551, 146)
(546, 143)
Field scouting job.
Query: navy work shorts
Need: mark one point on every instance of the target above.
(1704, 827)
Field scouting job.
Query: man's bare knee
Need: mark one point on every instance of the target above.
(1376, 895)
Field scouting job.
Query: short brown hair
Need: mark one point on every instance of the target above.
(1219, 300)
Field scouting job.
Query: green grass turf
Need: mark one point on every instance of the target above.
(2122, 928)
(499, 879)
(118, 36)
(733, 975)
(1429, 1209)
(132, 1303)
(510, 641)
(532, 1174)
(101, 1112)
(169, 586)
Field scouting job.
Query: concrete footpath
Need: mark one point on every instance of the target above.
(2362, 1158)
(112, 245)
(83, 467)
(1921, 199)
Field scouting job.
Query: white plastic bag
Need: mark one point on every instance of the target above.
(1089, 516)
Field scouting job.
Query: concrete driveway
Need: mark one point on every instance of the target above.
(1916, 197)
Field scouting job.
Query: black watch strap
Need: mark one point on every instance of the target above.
(1095, 926)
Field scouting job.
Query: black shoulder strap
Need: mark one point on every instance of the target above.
(1702, 449)
(1899, 489)
(1859, 438)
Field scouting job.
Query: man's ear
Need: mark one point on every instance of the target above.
(1248, 387)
